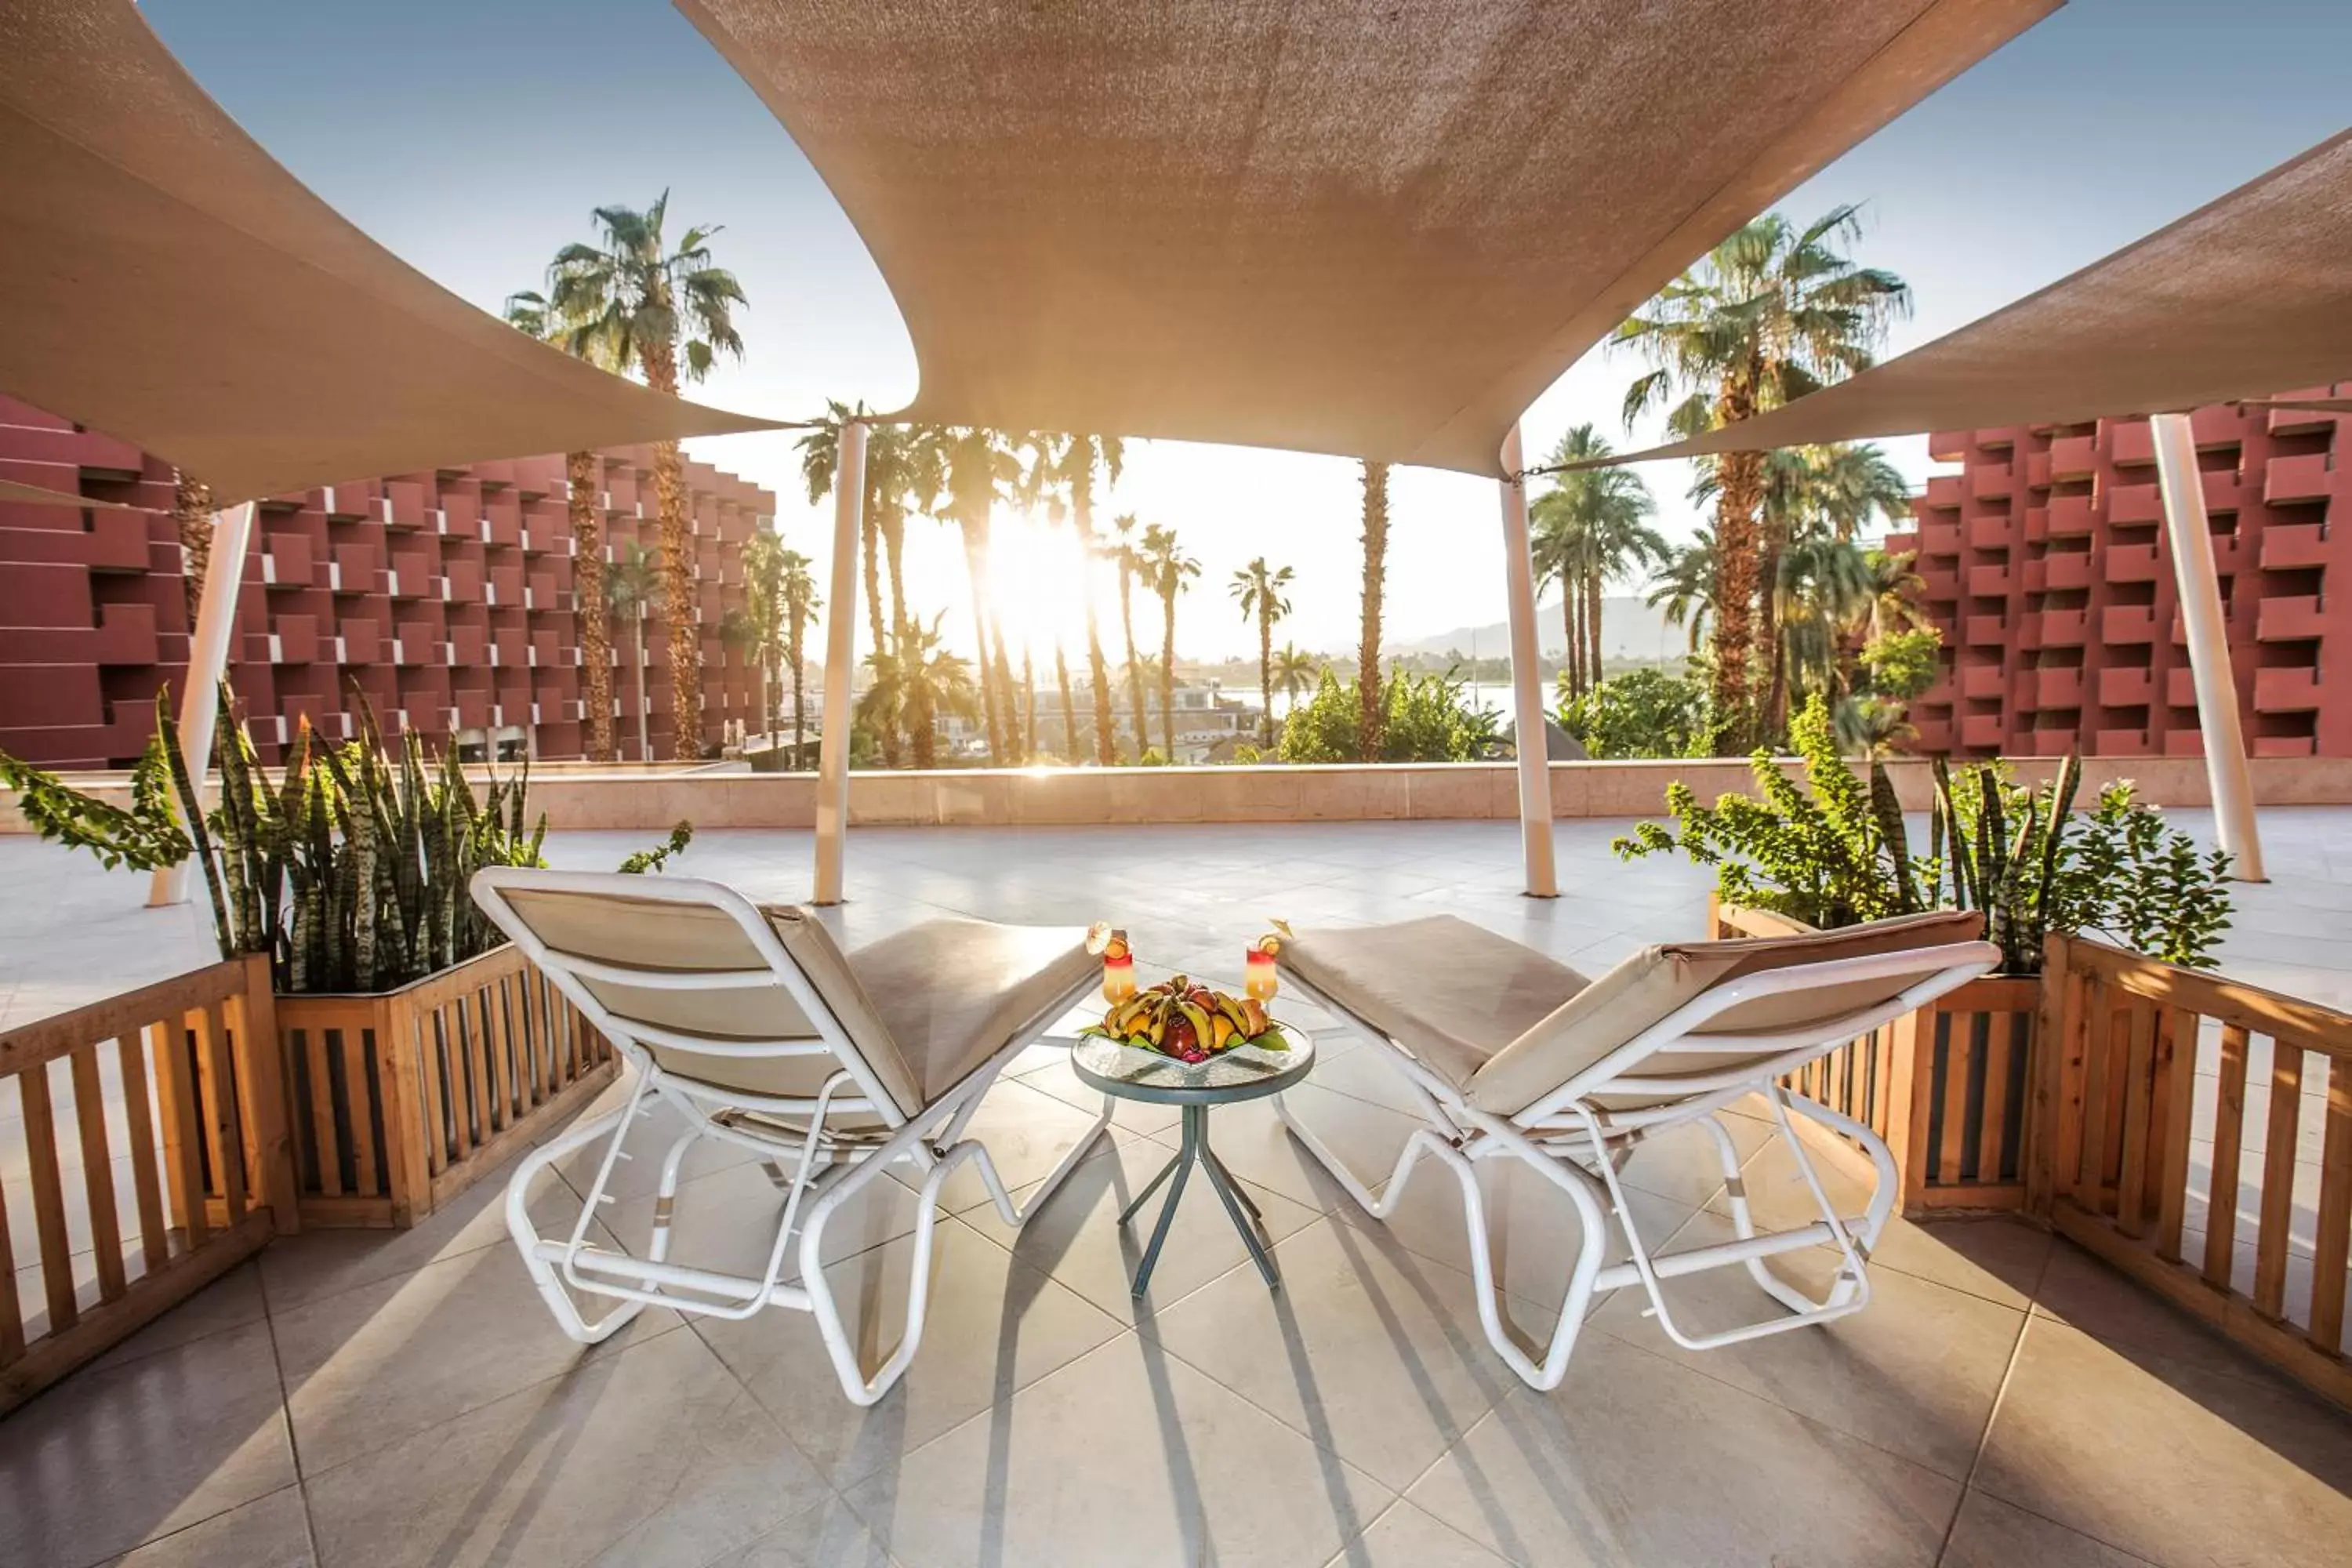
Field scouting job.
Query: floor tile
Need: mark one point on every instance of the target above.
(2083, 1292)
(2170, 1461)
(1126, 1456)
(1991, 1533)
(230, 1301)
(1371, 1350)
(1636, 1461)
(1405, 1537)
(827, 1536)
(1055, 1078)
(657, 1452)
(1257, 1148)
(649, 1140)
(1027, 1132)
(108, 1459)
(726, 1222)
(368, 1366)
(995, 1326)
(1916, 1371)
(268, 1533)
(1077, 1240)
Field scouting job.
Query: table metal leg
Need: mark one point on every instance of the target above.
(1233, 1199)
(1196, 1119)
(1238, 1190)
(1166, 1170)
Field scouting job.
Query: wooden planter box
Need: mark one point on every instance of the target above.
(399, 1101)
(1948, 1087)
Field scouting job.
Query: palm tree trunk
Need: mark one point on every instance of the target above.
(975, 571)
(1067, 749)
(191, 511)
(1368, 650)
(1134, 676)
(644, 731)
(1593, 625)
(1029, 707)
(1097, 670)
(872, 542)
(1168, 675)
(590, 612)
(1737, 497)
(660, 361)
(800, 705)
(1572, 616)
(1265, 672)
(1768, 628)
(894, 547)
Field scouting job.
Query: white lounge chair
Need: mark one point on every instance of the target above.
(761, 1033)
(1512, 1055)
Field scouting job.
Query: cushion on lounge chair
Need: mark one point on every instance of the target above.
(1655, 982)
(951, 992)
(1451, 993)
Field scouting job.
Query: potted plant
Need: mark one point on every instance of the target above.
(1946, 1087)
(417, 1047)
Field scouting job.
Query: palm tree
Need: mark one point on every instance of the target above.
(798, 588)
(1294, 672)
(631, 588)
(1130, 565)
(1590, 528)
(1773, 312)
(1368, 649)
(915, 683)
(895, 465)
(763, 595)
(981, 468)
(1258, 588)
(628, 298)
(1167, 571)
(1810, 494)
(1684, 587)
(1066, 467)
(528, 312)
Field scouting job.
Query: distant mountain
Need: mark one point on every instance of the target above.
(1630, 629)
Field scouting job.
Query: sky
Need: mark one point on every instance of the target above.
(472, 137)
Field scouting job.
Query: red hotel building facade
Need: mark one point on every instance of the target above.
(2046, 566)
(443, 597)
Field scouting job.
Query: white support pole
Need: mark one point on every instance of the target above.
(207, 662)
(2209, 646)
(840, 663)
(1526, 684)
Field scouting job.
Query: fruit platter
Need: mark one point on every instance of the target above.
(1188, 1021)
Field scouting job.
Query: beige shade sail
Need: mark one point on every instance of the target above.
(2302, 404)
(16, 493)
(1378, 231)
(2239, 299)
(163, 279)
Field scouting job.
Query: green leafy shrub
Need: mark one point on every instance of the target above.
(1424, 719)
(1836, 853)
(1642, 714)
(350, 869)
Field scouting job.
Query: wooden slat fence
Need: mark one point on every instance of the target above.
(153, 1185)
(402, 1100)
(2176, 1104)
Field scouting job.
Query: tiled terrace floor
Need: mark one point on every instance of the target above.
(361, 1399)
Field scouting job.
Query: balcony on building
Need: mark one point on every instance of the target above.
(469, 647)
(1982, 730)
(2288, 690)
(296, 638)
(1939, 541)
(1983, 681)
(2063, 628)
(404, 503)
(2131, 443)
(2132, 505)
(2180, 687)
(1992, 581)
(284, 560)
(2307, 477)
(2067, 569)
(2127, 686)
(2073, 458)
(2187, 742)
(2053, 740)
(2037, 470)
(2071, 516)
(461, 581)
(1943, 491)
(2300, 421)
(2058, 686)
(1997, 530)
(473, 710)
(2131, 563)
(362, 642)
(2288, 546)
(126, 635)
(1951, 446)
(1990, 482)
(2284, 746)
(356, 569)
(1986, 630)
(1931, 737)
(2291, 619)
(1940, 586)
(2120, 743)
(2127, 624)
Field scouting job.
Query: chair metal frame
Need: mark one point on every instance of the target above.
(1579, 1146)
(820, 1168)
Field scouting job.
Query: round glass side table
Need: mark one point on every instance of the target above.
(1242, 1073)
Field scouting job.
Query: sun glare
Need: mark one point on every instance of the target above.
(1038, 586)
